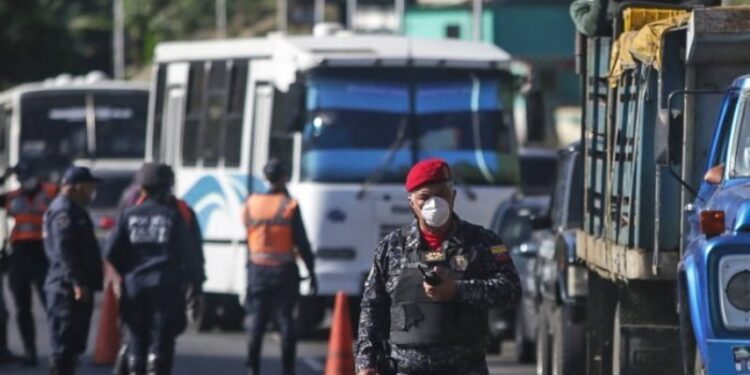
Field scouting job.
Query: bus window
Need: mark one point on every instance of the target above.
(120, 124)
(235, 112)
(53, 127)
(211, 131)
(160, 93)
(195, 114)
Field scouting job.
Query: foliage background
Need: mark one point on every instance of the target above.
(44, 38)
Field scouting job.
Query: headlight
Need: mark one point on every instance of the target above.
(738, 290)
(734, 291)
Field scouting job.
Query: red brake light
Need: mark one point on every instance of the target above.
(712, 223)
(106, 222)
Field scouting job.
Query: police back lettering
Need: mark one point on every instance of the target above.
(144, 229)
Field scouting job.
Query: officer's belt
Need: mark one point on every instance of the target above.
(272, 259)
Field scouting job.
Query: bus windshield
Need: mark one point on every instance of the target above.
(61, 126)
(360, 125)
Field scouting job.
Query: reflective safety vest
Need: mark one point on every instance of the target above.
(28, 212)
(182, 207)
(270, 239)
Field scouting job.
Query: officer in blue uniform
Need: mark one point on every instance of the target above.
(150, 249)
(75, 269)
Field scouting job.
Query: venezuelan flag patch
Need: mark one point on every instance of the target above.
(500, 253)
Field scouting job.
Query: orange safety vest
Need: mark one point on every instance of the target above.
(268, 218)
(182, 207)
(28, 212)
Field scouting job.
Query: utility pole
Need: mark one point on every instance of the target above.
(399, 8)
(281, 12)
(351, 11)
(477, 18)
(221, 19)
(320, 11)
(118, 39)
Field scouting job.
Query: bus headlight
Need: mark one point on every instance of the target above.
(738, 290)
(734, 291)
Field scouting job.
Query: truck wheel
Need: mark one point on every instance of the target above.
(543, 347)
(525, 348)
(568, 343)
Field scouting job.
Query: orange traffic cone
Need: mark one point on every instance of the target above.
(108, 337)
(341, 344)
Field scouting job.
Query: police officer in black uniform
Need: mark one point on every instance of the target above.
(150, 250)
(425, 302)
(75, 271)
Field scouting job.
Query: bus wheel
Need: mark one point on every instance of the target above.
(310, 314)
(207, 319)
(229, 314)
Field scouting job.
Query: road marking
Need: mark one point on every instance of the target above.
(314, 364)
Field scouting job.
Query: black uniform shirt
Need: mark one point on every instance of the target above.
(71, 245)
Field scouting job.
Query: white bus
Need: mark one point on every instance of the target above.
(86, 120)
(349, 114)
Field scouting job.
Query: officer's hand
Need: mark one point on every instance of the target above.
(313, 285)
(443, 292)
(368, 371)
(81, 293)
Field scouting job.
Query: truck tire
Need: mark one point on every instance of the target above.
(568, 343)
(543, 344)
(525, 348)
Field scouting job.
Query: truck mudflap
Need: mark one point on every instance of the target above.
(727, 357)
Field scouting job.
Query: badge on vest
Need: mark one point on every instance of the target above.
(434, 256)
(459, 263)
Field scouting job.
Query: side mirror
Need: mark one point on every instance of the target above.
(295, 107)
(715, 175)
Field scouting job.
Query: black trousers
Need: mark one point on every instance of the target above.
(28, 269)
(272, 296)
(69, 321)
(153, 318)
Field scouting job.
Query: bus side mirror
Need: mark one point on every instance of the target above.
(668, 138)
(295, 105)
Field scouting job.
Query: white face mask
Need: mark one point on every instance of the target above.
(436, 211)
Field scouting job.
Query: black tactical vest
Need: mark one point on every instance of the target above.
(418, 321)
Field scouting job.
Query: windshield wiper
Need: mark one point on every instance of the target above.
(378, 173)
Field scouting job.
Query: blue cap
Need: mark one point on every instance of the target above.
(77, 175)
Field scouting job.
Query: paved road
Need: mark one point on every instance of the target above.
(220, 353)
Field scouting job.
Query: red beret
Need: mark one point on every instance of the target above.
(427, 172)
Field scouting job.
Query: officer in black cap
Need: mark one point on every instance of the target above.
(75, 271)
(150, 250)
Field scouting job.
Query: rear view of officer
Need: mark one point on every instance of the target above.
(150, 249)
(274, 230)
(75, 271)
(27, 262)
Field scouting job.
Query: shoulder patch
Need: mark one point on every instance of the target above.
(500, 253)
(62, 221)
(498, 249)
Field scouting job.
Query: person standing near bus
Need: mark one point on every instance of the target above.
(133, 198)
(274, 230)
(150, 250)
(27, 262)
(75, 271)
